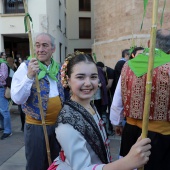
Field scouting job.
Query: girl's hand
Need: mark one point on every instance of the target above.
(139, 153)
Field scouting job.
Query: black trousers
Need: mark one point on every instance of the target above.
(35, 147)
(22, 116)
(160, 151)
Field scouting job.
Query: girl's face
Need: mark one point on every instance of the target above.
(83, 81)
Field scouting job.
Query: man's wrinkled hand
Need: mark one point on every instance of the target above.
(33, 68)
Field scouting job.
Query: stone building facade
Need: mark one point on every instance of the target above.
(117, 26)
(47, 16)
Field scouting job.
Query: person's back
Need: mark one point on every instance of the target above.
(11, 63)
(101, 96)
(133, 82)
(109, 78)
(118, 68)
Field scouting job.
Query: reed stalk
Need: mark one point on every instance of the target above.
(37, 85)
(148, 87)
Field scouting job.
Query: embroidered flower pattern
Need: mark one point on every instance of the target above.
(63, 74)
(63, 70)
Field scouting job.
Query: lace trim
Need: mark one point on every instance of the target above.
(81, 120)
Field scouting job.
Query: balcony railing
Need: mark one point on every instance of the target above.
(13, 6)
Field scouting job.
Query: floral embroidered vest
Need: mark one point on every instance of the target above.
(31, 106)
(133, 92)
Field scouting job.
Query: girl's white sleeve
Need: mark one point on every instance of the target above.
(75, 149)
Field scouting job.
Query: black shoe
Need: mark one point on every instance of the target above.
(22, 129)
(5, 135)
(1, 129)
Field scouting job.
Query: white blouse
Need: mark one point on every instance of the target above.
(116, 109)
(21, 85)
(79, 154)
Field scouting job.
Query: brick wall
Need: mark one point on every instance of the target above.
(117, 26)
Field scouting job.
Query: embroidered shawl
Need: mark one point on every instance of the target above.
(82, 121)
(133, 93)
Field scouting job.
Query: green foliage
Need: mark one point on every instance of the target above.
(145, 3)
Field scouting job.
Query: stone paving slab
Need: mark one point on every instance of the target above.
(16, 162)
(12, 144)
(12, 149)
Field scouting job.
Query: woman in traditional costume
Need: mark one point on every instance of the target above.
(80, 130)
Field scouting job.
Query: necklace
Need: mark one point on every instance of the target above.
(90, 110)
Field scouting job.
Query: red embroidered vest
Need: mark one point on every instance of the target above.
(133, 92)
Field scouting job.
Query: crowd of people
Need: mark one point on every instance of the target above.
(7, 68)
(5, 118)
(81, 106)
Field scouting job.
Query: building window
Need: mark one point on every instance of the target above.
(84, 27)
(84, 5)
(65, 18)
(65, 3)
(13, 6)
(59, 21)
(60, 24)
(60, 51)
(59, 3)
(65, 52)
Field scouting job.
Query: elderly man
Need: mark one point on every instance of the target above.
(132, 87)
(24, 92)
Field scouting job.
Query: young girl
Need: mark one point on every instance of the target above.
(80, 130)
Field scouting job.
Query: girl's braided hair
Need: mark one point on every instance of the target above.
(70, 61)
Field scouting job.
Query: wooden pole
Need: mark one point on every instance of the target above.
(38, 87)
(94, 52)
(14, 64)
(13, 55)
(150, 71)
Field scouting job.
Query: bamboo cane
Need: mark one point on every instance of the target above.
(94, 51)
(38, 87)
(150, 71)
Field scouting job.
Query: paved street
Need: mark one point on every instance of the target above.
(12, 150)
(11, 156)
